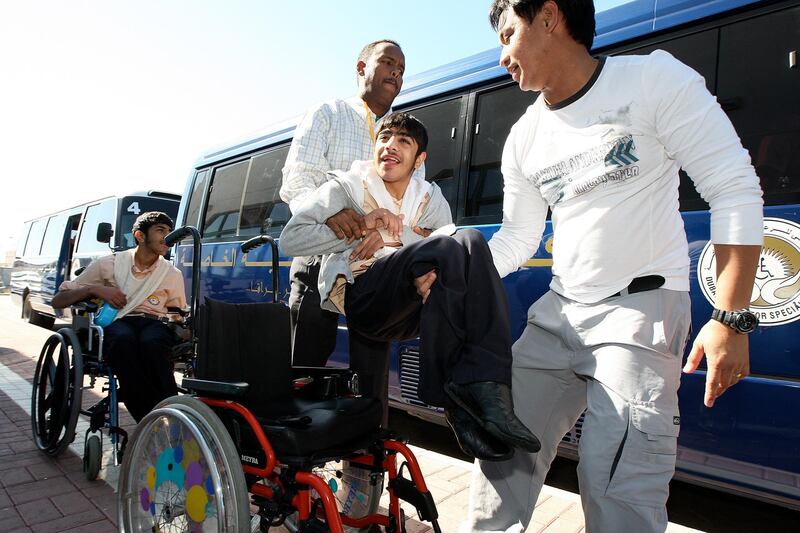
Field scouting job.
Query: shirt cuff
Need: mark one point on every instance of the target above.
(743, 224)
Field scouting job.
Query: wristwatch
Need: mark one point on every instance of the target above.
(741, 321)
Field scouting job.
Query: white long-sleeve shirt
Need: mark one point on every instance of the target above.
(606, 162)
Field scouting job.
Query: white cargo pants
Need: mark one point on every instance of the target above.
(620, 360)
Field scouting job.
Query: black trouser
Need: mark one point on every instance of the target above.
(138, 351)
(464, 326)
(314, 335)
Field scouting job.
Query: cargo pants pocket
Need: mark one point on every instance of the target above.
(645, 462)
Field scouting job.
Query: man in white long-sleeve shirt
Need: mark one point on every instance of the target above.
(601, 148)
(330, 137)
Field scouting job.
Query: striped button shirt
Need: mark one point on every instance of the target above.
(330, 137)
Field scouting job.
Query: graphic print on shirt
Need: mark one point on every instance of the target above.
(613, 161)
(153, 300)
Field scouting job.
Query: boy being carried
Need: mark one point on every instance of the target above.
(463, 318)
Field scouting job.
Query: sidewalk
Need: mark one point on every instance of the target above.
(42, 494)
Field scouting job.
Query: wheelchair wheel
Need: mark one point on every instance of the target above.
(356, 490)
(92, 457)
(181, 472)
(57, 392)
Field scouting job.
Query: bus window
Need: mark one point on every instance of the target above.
(759, 90)
(23, 238)
(131, 207)
(196, 199)
(95, 214)
(54, 236)
(224, 201)
(34, 243)
(497, 111)
(444, 127)
(262, 205)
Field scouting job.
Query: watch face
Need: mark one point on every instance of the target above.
(746, 322)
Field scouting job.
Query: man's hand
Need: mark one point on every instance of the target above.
(425, 232)
(112, 295)
(424, 284)
(727, 357)
(383, 218)
(368, 246)
(347, 224)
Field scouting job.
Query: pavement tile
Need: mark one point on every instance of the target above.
(45, 470)
(38, 511)
(547, 511)
(103, 526)
(560, 525)
(41, 489)
(10, 518)
(69, 522)
(15, 477)
(72, 503)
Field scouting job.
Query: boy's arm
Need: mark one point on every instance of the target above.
(306, 233)
(89, 284)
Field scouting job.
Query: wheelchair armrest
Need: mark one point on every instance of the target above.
(84, 307)
(216, 388)
(325, 382)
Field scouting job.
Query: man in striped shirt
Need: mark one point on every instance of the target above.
(330, 137)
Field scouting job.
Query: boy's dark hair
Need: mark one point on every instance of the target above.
(408, 123)
(366, 52)
(578, 14)
(146, 220)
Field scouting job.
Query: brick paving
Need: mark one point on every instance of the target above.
(43, 494)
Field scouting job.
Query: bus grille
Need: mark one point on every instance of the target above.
(573, 436)
(409, 377)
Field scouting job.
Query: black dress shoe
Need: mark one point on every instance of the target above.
(474, 440)
(490, 403)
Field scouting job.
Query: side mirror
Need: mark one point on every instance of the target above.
(104, 232)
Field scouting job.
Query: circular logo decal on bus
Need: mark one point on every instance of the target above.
(776, 292)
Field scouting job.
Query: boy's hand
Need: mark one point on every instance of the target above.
(347, 224)
(424, 284)
(112, 295)
(368, 246)
(386, 219)
(425, 232)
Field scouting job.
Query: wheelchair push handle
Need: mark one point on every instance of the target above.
(260, 240)
(178, 235)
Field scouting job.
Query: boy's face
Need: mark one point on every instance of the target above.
(154, 240)
(396, 155)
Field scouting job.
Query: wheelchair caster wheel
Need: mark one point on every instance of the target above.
(92, 457)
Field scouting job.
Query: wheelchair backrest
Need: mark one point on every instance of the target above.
(246, 342)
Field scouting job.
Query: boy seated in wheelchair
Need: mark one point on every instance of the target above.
(404, 279)
(141, 284)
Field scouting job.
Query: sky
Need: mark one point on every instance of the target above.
(103, 97)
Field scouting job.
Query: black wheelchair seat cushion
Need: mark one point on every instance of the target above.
(297, 426)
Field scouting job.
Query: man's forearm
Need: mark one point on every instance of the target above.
(65, 298)
(736, 272)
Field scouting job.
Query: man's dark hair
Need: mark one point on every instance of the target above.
(146, 220)
(578, 14)
(366, 52)
(400, 121)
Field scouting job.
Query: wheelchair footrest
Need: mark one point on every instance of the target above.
(216, 388)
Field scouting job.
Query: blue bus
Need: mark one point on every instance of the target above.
(53, 247)
(746, 50)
